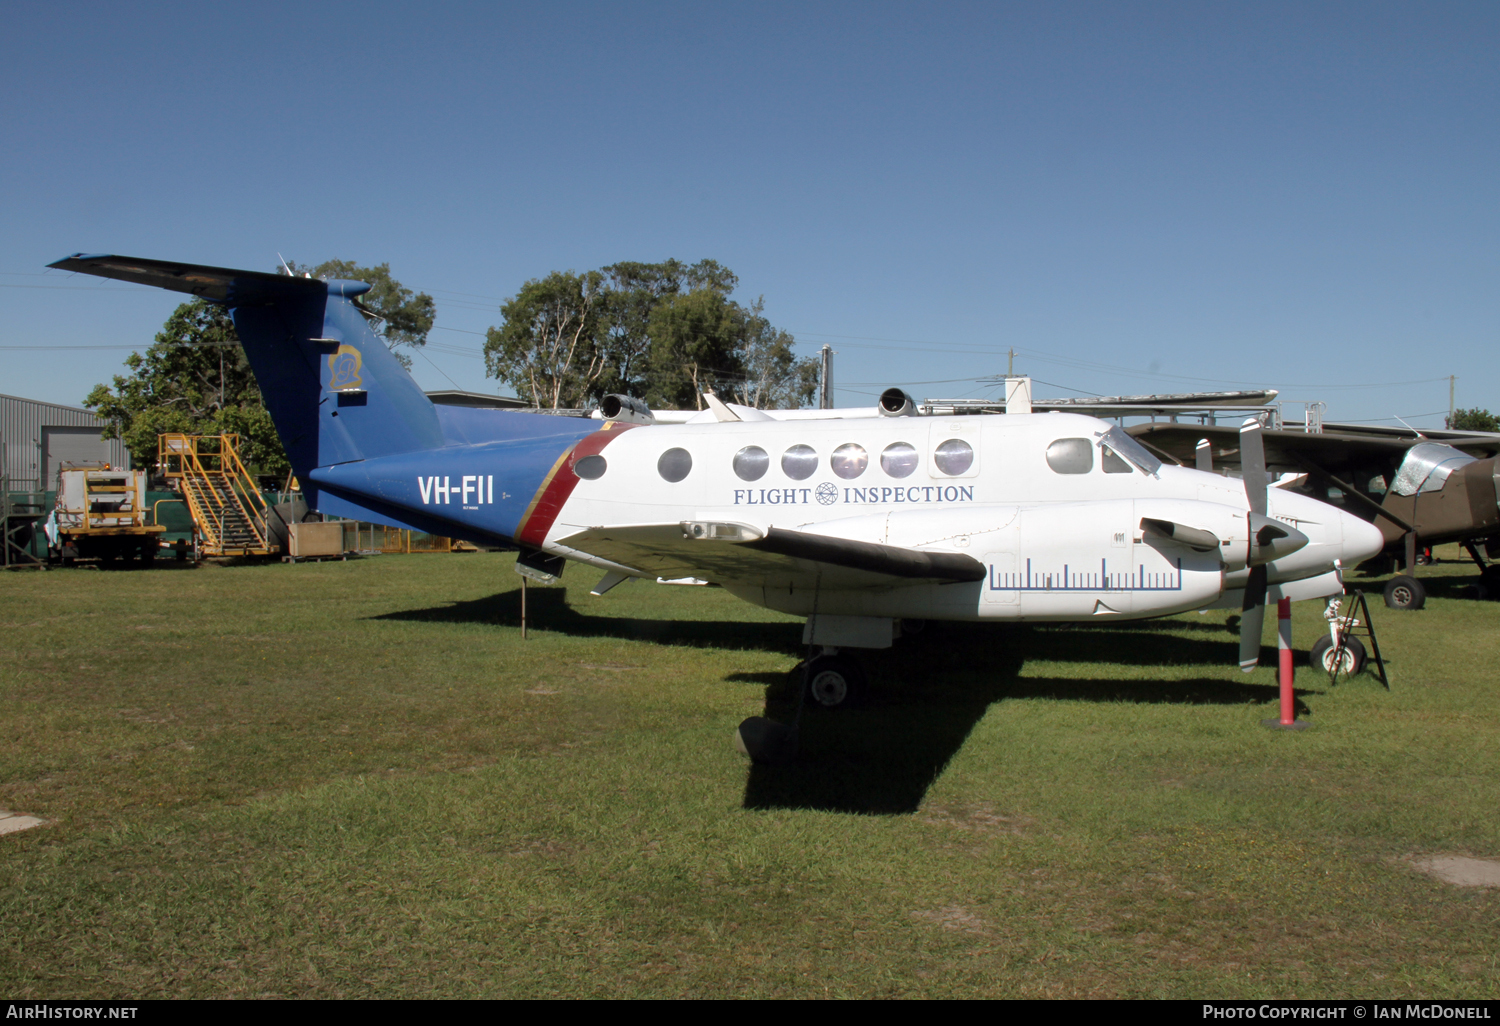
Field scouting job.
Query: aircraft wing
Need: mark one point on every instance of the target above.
(777, 558)
(1333, 451)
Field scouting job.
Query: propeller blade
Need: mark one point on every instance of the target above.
(1204, 455)
(1253, 619)
(1253, 465)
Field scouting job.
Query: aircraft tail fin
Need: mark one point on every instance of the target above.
(333, 389)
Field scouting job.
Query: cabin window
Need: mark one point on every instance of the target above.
(1071, 456)
(674, 464)
(799, 462)
(590, 468)
(751, 463)
(1111, 461)
(954, 457)
(849, 460)
(899, 459)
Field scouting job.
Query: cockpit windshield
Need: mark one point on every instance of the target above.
(1426, 468)
(1116, 439)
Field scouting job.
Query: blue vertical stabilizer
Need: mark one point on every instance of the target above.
(333, 389)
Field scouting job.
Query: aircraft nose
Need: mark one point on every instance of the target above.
(1362, 540)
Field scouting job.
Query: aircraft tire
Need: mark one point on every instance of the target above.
(1405, 592)
(834, 682)
(1321, 656)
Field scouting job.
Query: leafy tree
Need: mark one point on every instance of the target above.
(403, 318)
(549, 346)
(633, 291)
(195, 379)
(695, 348)
(774, 376)
(1474, 420)
(664, 332)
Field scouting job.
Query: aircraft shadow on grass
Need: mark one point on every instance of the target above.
(547, 609)
(925, 695)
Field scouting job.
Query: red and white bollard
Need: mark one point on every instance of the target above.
(1288, 720)
(1284, 650)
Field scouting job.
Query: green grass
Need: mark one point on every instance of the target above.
(355, 780)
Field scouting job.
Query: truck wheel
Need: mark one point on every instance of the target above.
(1405, 592)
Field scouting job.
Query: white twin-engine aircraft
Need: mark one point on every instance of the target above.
(857, 520)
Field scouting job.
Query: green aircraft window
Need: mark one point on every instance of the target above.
(1071, 456)
(954, 457)
(751, 463)
(674, 464)
(1112, 462)
(899, 459)
(799, 462)
(590, 468)
(849, 460)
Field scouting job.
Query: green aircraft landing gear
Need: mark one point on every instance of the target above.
(1405, 592)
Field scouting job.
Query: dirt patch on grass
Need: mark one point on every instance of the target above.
(1459, 870)
(980, 818)
(955, 918)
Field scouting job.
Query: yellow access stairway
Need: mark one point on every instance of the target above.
(228, 510)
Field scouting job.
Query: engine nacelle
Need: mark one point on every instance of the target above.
(625, 410)
(896, 403)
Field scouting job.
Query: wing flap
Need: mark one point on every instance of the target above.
(777, 558)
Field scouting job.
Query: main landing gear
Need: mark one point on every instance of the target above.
(1489, 573)
(830, 680)
(834, 681)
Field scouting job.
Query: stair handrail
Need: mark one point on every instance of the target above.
(184, 451)
(242, 487)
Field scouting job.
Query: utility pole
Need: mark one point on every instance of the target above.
(1010, 365)
(825, 382)
(1451, 379)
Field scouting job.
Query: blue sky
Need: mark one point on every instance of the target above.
(1136, 197)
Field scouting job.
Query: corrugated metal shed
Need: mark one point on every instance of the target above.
(38, 435)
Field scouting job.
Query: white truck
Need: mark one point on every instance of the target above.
(101, 513)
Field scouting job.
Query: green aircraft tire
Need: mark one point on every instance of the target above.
(1403, 592)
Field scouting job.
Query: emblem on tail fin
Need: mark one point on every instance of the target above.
(343, 367)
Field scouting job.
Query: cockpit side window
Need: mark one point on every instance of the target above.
(1071, 456)
(1123, 445)
(1111, 462)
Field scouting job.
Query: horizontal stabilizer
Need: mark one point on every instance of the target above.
(219, 284)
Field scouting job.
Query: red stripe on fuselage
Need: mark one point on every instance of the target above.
(554, 492)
